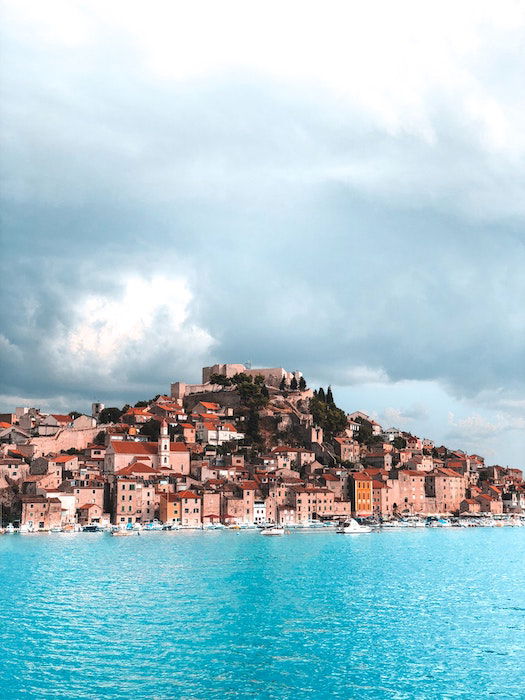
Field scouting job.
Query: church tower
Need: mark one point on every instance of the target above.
(164, 445)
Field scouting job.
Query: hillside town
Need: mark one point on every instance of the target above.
(245, 447)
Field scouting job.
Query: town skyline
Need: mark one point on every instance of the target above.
(355, 204)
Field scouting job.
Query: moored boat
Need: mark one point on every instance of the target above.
(352, 527)
(275, 531)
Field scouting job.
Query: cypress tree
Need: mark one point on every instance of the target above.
(330, 397)
(302, 384)
(293, 384)
(321, 395)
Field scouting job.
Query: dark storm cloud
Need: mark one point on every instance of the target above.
(309, 235)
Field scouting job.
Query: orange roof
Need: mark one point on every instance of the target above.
(129, 447)
(136, 468)
(378, 484)
(249, 485)
(209, 405)
(62, 418)
(4, 425)
(208, 416)
(62, 458)
(86, 506)
(449, 472)
(187, 494)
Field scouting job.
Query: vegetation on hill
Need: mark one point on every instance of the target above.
(326, 414)
(110, 415)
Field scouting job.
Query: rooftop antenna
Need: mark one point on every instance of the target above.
(248, 364)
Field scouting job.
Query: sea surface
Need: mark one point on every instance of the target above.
(408, 614)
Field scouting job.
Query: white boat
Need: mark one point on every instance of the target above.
(414, 521)
(352, 527)
(273, 531)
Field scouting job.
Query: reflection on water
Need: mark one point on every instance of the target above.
(426, 614)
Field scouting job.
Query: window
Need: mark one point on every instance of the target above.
(132, 487)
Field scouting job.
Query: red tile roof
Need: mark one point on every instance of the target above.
(187, 494)
(129, 447)
(136, 468)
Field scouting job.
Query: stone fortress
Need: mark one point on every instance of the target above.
(272, 378)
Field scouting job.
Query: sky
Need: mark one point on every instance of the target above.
(334, 187)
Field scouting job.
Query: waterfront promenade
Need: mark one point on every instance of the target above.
(427, 613)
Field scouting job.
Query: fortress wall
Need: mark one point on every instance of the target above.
(63, 440)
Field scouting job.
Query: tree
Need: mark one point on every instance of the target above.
(151, 428)
(74, 414)
(365, 432)
(293, 384)
(282, 385)
(110, 415)
(141, 404)
(330, 396)
(220, 379)
(399, 443)
(328, 416)
(302, 384)
(100, 438)
(252, 426)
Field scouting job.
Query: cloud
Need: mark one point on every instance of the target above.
(347, 202)
(477, 425)
(399, 417)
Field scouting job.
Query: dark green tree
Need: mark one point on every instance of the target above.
(294, 384)
(364, 434)
(321, 395)
(282, 385)
(328, 416)
(399, 443)
(110, 415)
(74, 414)
(141, 404)
(151, 428)
(100, 438)
(302, 384)
(330, 397)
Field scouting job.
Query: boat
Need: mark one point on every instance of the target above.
(352, 527)
(124, 533)
(273, 531)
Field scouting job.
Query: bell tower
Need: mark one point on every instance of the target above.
(163, 449)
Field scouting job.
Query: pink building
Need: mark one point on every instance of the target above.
(134, 501)
(174, 455)
(411, 491)
(190, 508)
(41, 513)
(89, 514)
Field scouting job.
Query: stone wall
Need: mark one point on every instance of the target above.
(63, 440)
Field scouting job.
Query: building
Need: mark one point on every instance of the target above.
(173, 455)
(40, 513)
(361, 493)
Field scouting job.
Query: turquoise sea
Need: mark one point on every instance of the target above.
(410, 614)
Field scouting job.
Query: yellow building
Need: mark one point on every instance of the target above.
(170, 509)
(361, 493)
